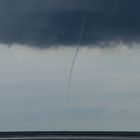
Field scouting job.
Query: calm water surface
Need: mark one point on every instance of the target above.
(105, 89)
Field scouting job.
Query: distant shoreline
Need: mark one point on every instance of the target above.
(117, 134)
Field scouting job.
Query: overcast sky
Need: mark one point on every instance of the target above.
(38, 40)
(44, 23)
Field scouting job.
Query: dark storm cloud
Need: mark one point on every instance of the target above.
(57, 22)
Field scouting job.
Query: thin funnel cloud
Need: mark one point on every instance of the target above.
(83, 22)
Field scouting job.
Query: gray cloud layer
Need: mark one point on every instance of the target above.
(57, 22)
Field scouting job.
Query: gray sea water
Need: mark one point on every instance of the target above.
(104, 94)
